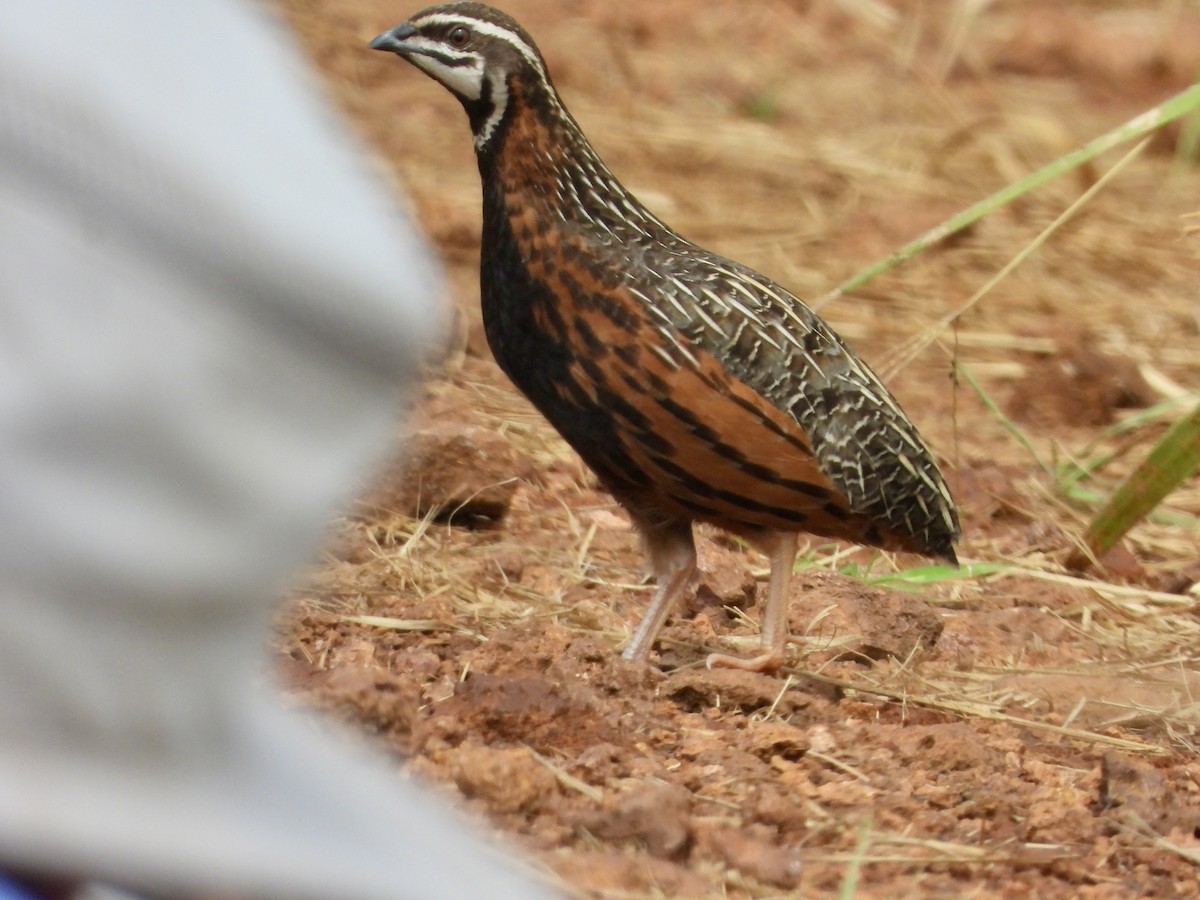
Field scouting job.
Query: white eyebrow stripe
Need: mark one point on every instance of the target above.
(487, 28)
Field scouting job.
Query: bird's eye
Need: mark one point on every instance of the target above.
(459, 36)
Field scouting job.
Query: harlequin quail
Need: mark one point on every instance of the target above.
(695, 388)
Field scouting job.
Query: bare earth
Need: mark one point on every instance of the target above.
(1018, 731)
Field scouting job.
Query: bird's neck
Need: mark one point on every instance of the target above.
(537, 159)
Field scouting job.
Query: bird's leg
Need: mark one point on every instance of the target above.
(781, 549)
(672, 553)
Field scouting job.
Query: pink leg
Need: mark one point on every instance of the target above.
(672, 555)
(781, 549)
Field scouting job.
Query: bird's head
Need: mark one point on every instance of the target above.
(477, 52)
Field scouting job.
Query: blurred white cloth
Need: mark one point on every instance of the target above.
(207, 310)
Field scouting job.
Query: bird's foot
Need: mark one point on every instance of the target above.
(764, 662)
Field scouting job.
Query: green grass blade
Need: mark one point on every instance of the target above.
(1181, 104)
(1088, 461)
(923, 576)
(910, 349)
(1171, 461)
(1187, 148)
(1136, 420)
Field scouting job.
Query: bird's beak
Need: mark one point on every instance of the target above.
(393, 41)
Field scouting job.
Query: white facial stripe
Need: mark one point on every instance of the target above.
(486, 28)
(466, 81)
(499, 103)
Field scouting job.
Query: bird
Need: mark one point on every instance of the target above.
(696, 389)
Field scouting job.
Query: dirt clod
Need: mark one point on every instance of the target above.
(458, 473)
(657, 816)
(776, 739)
(731, 689)
(1081, 384)
(724, 580)
(508, 779)
(527, 706)
(760, 858)
(892, 623)
(1132, 792)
